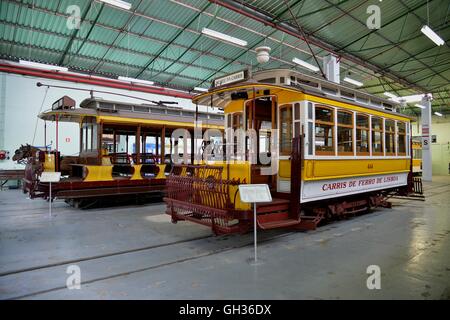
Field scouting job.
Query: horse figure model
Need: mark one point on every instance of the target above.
(24, 153)
(29, 156)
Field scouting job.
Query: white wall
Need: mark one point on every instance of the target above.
(20, 103)
(440, 151)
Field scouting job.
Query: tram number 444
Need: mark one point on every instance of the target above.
(229, 309)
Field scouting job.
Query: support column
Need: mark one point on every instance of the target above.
(138, 145)
(163, 144)
(2, 111)
(99, 142)
(114, 141)
(426, 139)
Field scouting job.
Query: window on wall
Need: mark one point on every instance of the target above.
(285, 129)
(324, 128)
(377, 136)
(362, 134)
(345, 132)
(401, 129)
(389, 127)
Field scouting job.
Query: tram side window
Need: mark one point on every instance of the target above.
(324, 128)
(237, 120)
(389, 127)
(377, 136)
(237, 123)
(362, 134)
(401, 129)
(345, 132)
(417, 153)
(88, 135)
(286, 129)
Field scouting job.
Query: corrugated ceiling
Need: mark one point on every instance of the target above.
(161, 40)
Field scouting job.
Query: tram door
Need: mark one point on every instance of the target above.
(260, 116)
(289, 126)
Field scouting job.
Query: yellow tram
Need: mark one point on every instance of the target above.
(125, 149)
(324, 149)
(417, 155)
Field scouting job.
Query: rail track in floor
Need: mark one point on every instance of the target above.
(218, 245)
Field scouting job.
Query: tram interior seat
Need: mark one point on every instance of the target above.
(122, 167)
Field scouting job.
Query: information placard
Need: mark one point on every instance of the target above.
(254, 193)
(50, 177)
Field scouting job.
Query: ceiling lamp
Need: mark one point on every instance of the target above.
(411, 98)
(353, 81)
(426, 30)
(263, 54)
(224, 37)
(138, 81)
(305, 64)
(118, 3)
(43, 66)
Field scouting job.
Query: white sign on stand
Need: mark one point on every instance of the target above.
(50, 177)
(255, 193)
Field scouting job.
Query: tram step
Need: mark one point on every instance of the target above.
(277, 205)
(276, 220)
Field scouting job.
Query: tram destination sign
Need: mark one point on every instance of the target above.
(231, 78)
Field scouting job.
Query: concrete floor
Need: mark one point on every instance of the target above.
(135, 252)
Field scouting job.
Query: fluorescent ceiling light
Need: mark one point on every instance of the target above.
(136, 80)
(118, 3)
(224, 37)
(426, 30)
(411, 98)
(201, 89)
(420, 106)
(438, 114)
(353, 81)
(42, 66)
(305, 64)
(390, 95)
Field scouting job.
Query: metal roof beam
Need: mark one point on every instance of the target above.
(172, 40)
(337, 18)
(244, 10)
(394, 44)
(420, 5)
(96, 43)
(75, 32)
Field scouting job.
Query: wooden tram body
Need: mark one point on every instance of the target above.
(417, 155)
(338, 152)
(102, 169)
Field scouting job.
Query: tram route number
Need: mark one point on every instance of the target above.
(229, 309)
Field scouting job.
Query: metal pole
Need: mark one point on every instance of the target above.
(255, 238)
(50, 200)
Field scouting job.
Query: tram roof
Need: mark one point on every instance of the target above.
(277, 80)
(119, 112)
